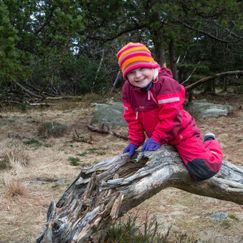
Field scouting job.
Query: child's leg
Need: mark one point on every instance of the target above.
(202, 159)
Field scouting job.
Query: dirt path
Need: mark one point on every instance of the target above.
(50, 169)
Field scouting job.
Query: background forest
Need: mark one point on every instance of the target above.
(50, 48)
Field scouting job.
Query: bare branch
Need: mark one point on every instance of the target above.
(217, 75)
(28, 91)
(100, 64)
(188, 78)
(118, 34)
(115, 82)
(47, 21)
(203, 32)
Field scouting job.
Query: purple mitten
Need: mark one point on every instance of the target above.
(130, 149)
(150, 145)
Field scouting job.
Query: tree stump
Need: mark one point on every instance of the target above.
(107, 190)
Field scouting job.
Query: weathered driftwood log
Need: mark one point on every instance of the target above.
(107, 190)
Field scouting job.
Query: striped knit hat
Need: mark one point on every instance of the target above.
(135, 55)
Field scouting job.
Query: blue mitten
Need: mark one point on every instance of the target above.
(150, 145)
(130, 149)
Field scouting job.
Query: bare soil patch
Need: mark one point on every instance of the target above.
(52, 163)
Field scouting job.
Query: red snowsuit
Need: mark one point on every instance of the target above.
(158, 112)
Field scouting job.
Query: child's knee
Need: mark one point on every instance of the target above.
(199, 169)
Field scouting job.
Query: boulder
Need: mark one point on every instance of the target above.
(110, 115)
(202, 108)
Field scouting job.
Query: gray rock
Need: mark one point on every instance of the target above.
(110, 115)
(205, 109)
(236, 89)
(239, 89)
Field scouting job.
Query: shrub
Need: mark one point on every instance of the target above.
(52, 129)
(129, 231)
(148, 232)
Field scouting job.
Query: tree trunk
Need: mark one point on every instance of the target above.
(102, 193)
(172, 55)
(157, 34)
(159, 53)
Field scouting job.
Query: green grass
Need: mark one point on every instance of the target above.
(32, 142)
(97, 151)
(47, 145)
(147, 232)
(129, 231)
(93, 150)
(74, 161)
(24, 107)
(233, 217)
(82, 154)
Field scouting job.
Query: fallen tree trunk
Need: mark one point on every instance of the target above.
(102, 193)
(217, 75)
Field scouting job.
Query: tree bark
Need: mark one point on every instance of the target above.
(172, 55)
(107, 190)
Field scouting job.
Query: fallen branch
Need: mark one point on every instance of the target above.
(103, 129)
(36, 104)
(28, 91)
(83, 139)
(107, 190)
(217, 75)
(72, 98)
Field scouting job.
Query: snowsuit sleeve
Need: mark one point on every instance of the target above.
(170, 99)
(135, 128)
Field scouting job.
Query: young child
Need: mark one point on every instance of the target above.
(153, 105)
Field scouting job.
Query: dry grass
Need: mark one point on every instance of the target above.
(24, 199)
(14, 155)
(52, 129)
(14, 187)
(17, 156)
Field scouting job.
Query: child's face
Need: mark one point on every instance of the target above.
(141, 77)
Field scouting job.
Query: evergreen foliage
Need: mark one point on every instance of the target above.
(9, 65)
(68, 47)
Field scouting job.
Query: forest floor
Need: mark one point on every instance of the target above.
(41, 169)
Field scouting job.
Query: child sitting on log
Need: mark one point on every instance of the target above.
(153, 107)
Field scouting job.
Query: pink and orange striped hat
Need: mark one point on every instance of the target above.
(135, 55)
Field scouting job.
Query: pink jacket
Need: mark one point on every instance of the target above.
(157, 112)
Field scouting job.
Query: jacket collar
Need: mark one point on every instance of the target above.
(146, 89)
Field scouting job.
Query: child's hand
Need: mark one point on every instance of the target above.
(130, 149)
(150, 145)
